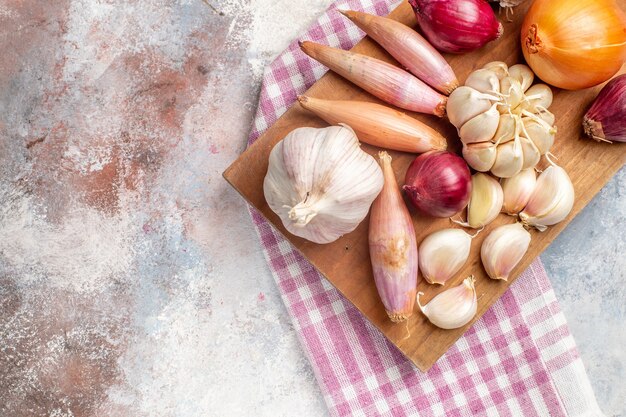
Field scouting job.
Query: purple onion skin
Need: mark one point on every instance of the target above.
(457, 26)
(438, 183)
(606, 118)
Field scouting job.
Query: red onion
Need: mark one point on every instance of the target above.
(606, 119)
(438, 183)
(457, 26)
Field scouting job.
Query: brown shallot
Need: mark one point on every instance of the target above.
(378, 125)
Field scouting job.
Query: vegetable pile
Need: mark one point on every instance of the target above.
(322, 185)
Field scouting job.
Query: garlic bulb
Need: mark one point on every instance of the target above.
(551, 200)
(517, 190)
(320, 183)
(452, 308)
(485, 201)
(502, 119)
(502, 250)
(443, 253)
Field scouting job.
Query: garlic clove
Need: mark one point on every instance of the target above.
(546, 116)
(511, 88)
(523, 74)
(453, 308)
(465, 103)
(503, 248)
(517, 190)
(480, 156)
(530, 153)
(483, 80)
(485, 201)
(393, 247)
(507, 127)
(541, 134)
(443, 254)
(509, 159)
(499, 68)
(481, 128)
(551, 200)
(321, 183)
(537, 97)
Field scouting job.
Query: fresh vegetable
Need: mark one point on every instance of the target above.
(385, 81)
(443, 254)
(508, 5)
(502, 119)
(438, 183)
(551, 200)
(378, 125)
(457, 26)
(393, 248)
(485, 201)
(320, 183)
(606, 119)
(517, 190)
(453, 308)
(503, 248)
(409, 48)
(574, 44)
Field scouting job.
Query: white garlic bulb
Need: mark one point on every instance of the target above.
(499, 106)
(453, 308)
(320, 183)
(551, 201)
(502, 250)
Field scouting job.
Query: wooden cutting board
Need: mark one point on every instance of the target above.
(345, 262)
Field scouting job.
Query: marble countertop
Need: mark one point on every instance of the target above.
(132, 281)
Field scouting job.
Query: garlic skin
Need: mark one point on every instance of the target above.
(443, 254)
(517, 191)
(453, 308)
(320, 183)
(485, 201)
(551, 200)
(503, 248)
(393, 247)
(500, 105)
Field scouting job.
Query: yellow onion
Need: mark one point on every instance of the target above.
(574, 44)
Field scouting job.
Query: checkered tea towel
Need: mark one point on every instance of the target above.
(519, 359)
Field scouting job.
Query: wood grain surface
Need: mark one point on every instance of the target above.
(345, 262)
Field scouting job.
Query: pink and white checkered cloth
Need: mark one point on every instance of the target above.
(519, 359)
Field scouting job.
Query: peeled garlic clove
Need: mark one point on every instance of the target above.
(523, 74)
(452, 308)
(499, 68)
(512, 90)
(551, 201)
(485, 201)
(483, 80)
(530, 153)
(443, 254)
(538, 97)
(541, 134)
(502, 250)
(321, 183)
(480, 128)
(507, 127)
(480, 156)
(465, 103)
(393, 247)
(517, 190)
(509, 159)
